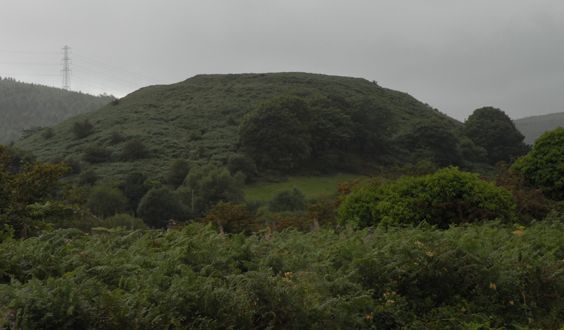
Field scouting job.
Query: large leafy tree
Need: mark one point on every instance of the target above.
(544, 165)
(491, 129)
(276, 135)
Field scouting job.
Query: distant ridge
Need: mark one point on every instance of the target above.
(533, 127)
(25, 106)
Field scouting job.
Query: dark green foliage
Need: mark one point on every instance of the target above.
(177, 173)
(472, 277)
(159, 206)
(444, 198)
(134, 150)
(276, 135)
(123, 220)
(543, 167)
(208, 185)
(27, 193)
(134, 187)
(82, 129)
(354, 125)
(493, 130)
(97, 154)
(288, 201)
(105, 201)
(242, 163)
(24, 106)
(116, 137)
(88, 178)
(434, 141)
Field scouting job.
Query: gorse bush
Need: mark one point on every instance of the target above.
(475, 276)
(447, 197)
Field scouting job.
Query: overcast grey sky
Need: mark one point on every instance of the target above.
(456, 55)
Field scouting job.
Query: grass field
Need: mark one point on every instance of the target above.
(311, 186)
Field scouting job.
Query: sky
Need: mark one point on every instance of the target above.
(456, 55)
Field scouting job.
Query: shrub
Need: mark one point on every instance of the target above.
(96, 154)
(159, 206)
(82, 129)
(106, 201)
(444, 198)
(177, 173)
(116, 137)
(134, 187)
(243, 164)
(543, 167)
(88, 178)
(134, 150)
(287, 201)
(231, 217)
(48, 133)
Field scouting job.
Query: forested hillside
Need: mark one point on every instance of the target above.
(284, 122)
(26, 106)
(533, 127)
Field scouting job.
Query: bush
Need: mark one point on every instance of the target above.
(82, 129)
(231, 218)
(543, 167)
(106, 201)
(243, 164)
(134, 150)
(116, 137)
(48, 133)
(134, 188)
(88, 178)
(96, 154)
(444, 198)
(287, 201)
(159, 206)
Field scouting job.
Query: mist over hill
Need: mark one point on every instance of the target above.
(199, 120)
(25, 106)
(533, 127)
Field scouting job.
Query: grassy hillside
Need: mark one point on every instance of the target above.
(198, 119)
(26, 106)
(533, 127)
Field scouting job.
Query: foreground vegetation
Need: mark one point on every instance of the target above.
(476, 276)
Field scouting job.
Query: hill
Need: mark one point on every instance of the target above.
(533, 127)
(199, 120)
(26, 106)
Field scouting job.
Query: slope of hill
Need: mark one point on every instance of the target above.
(533, 127)
(198, 120)
(26, 106)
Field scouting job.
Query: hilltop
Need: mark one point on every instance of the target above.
(199, 120)
(26, 106)
(533, 127)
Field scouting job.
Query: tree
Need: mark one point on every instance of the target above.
(208, 185)
(177, 173)
(159, 206)
(105, 201)
(134, 188)
(491, 129)
(543, 167)
(435, 141)
(276, 134)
